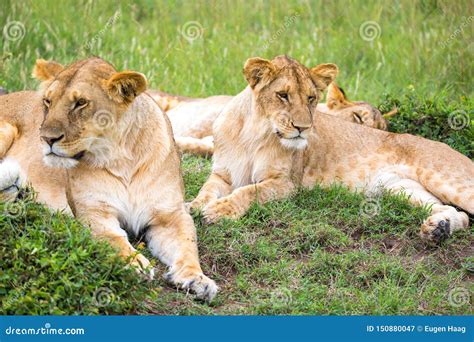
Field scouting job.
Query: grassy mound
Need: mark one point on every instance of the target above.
(51, 265)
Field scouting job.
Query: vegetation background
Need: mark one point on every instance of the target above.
(325, 251)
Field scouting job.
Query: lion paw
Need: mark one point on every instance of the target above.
(199, 202)
(9, 180)
(438, 227)
(435, 231)
(219, 209)
(203, 287)
(143, 266)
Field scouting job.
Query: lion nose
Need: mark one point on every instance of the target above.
(51, 140)
(301, 126)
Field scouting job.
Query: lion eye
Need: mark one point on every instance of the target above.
(80, 103)
(47, 103)
(283, 96)
(311, 99)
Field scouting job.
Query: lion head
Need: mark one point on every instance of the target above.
(286, 93)
(356, 111)
(83, 103)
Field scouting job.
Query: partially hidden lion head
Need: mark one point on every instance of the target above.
(286, 93)
(362, 113)
(83, 103)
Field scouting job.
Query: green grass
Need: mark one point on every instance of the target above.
(414, 47)
(313, 253)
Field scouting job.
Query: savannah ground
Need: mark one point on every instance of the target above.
(324, 251)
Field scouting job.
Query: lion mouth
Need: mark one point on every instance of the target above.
(77, 156)
(281, 136)
(295, 143)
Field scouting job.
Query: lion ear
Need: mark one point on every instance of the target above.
(336, 97)
(125, 86)
(46, 70)
(358, 118)
(258, 69)
(324, 74)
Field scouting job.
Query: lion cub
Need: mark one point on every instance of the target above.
(268, 142)
(122, 166)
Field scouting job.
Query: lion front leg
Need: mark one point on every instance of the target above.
(238, 202)
(217, 185)
(106, 227)
(172, 238)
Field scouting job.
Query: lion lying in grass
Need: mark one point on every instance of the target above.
(123, 170)
(268, 141)
(192, 118)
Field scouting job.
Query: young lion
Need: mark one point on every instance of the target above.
(192, 118)
(268, 142)
(123, 169)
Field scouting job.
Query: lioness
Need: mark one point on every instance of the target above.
(192, 118)
(21, 157)
(268, 142)
(123, 170)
